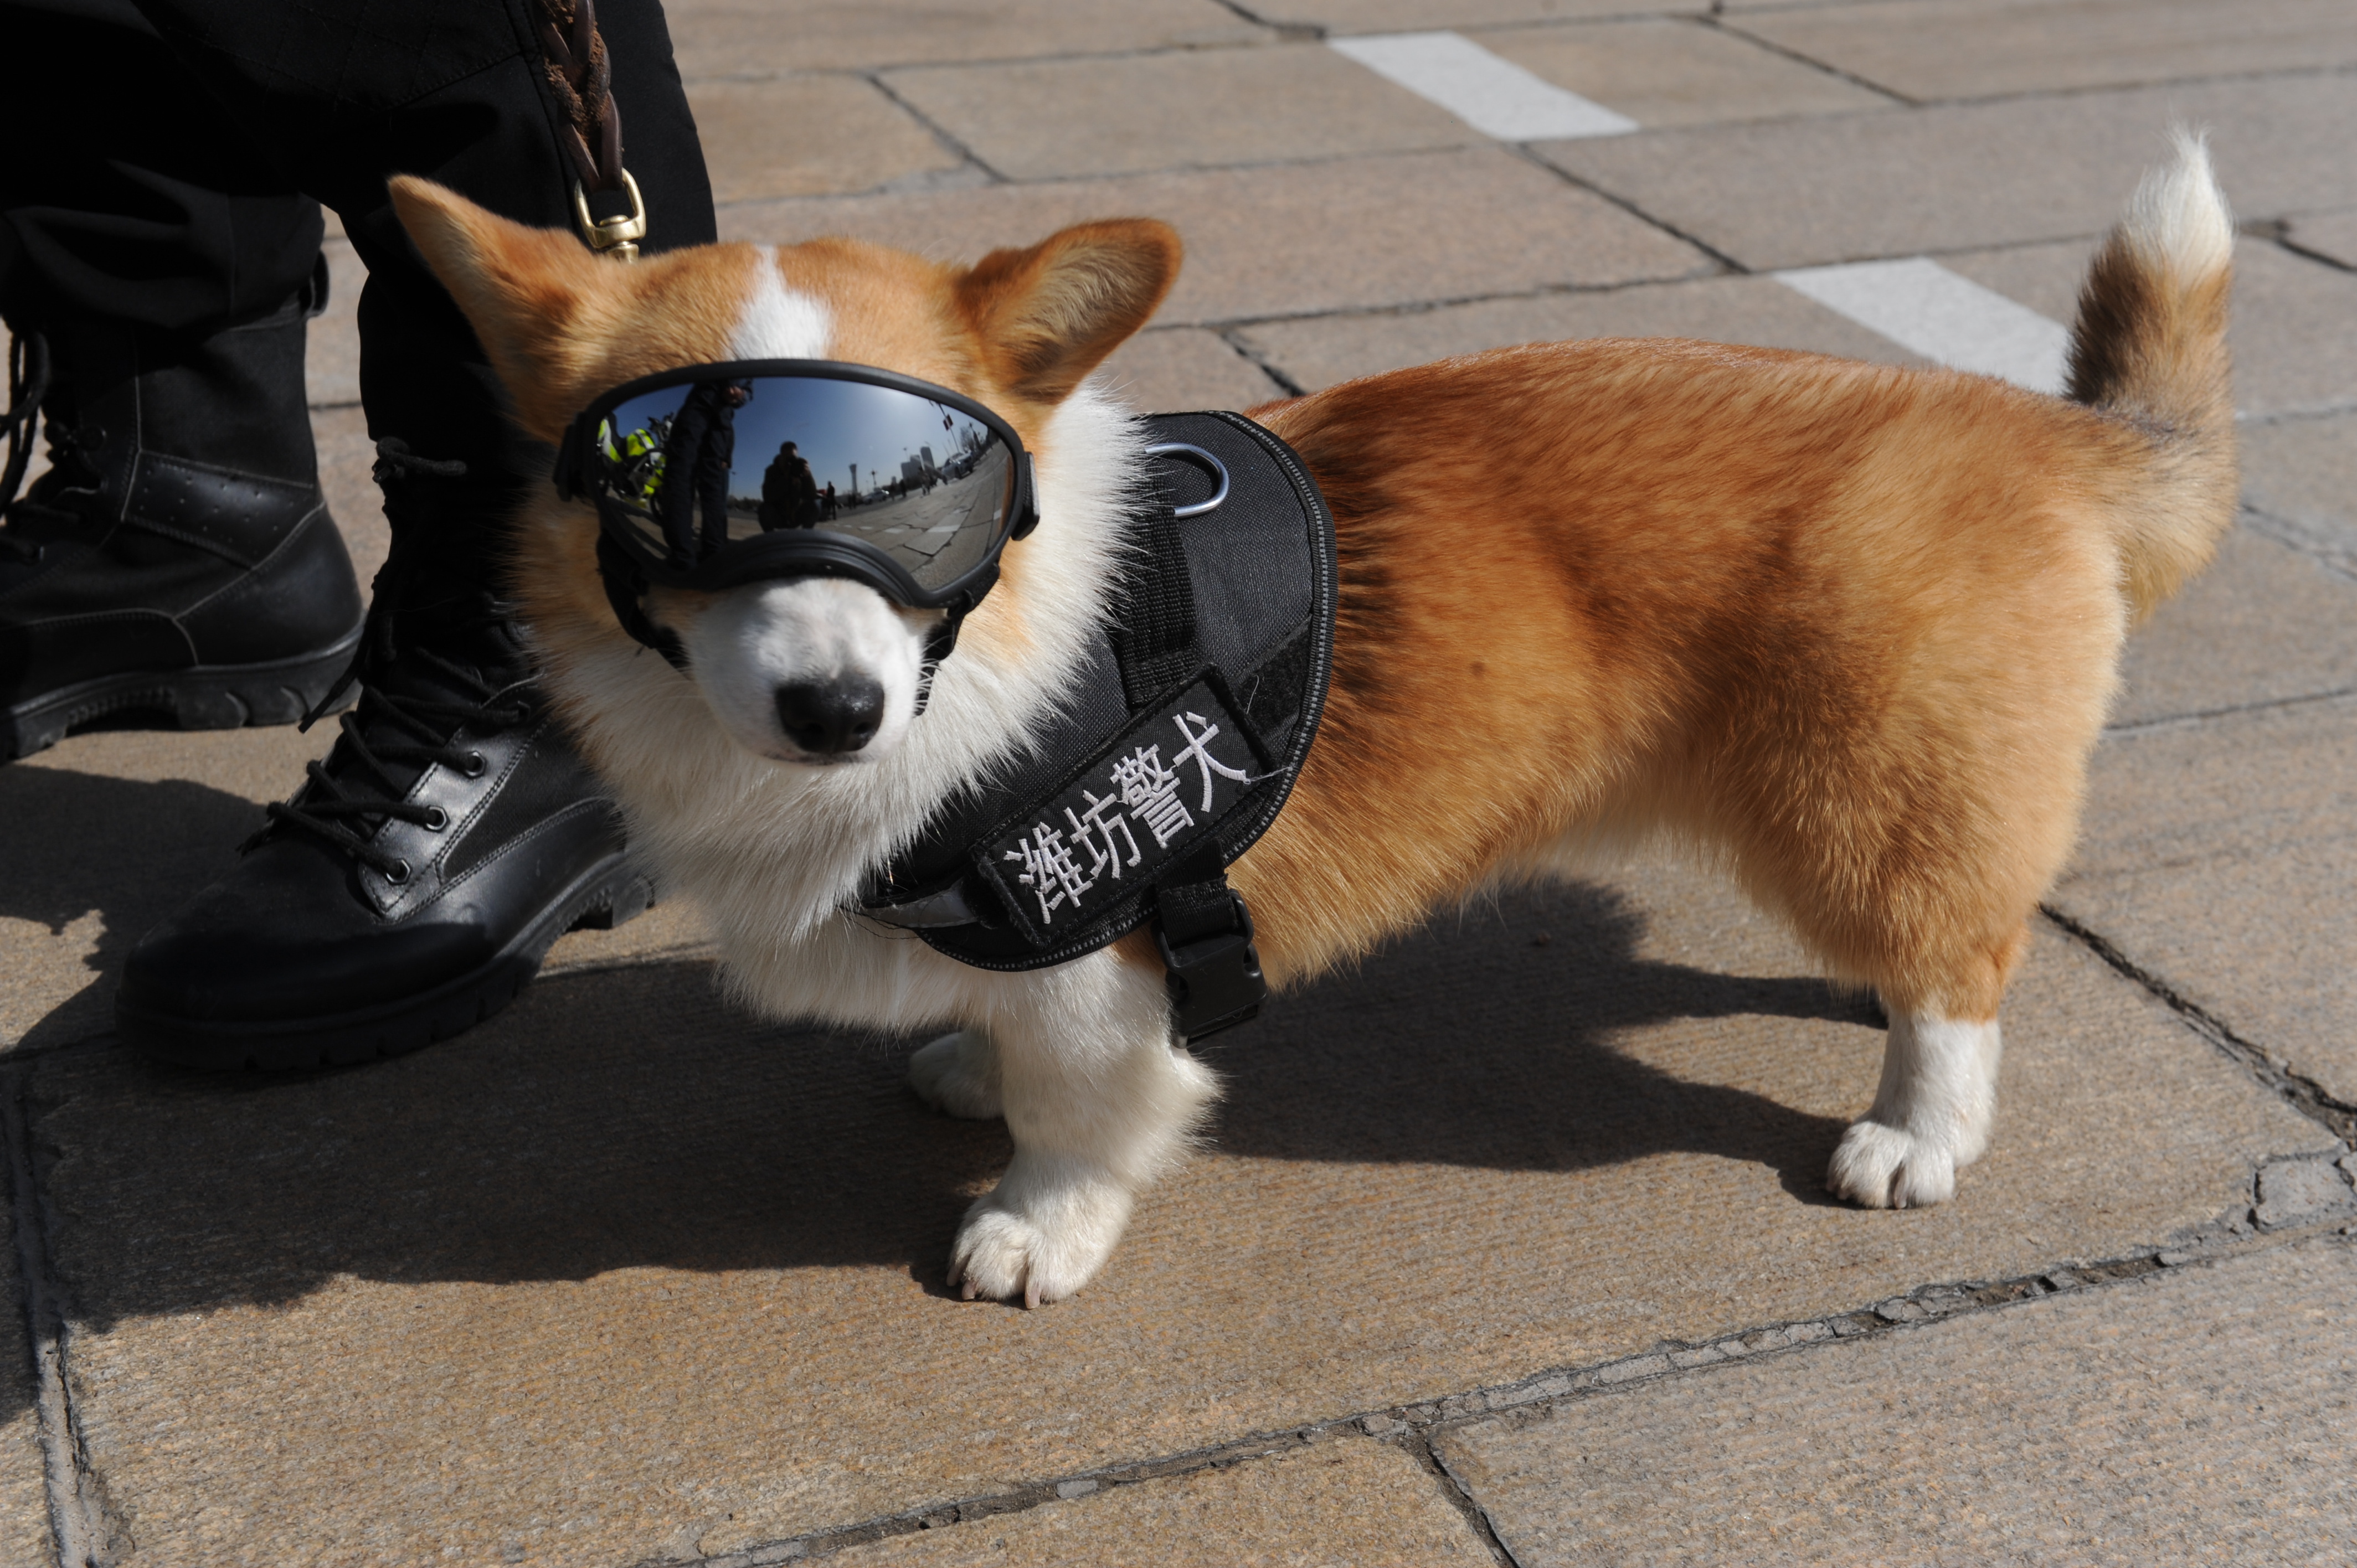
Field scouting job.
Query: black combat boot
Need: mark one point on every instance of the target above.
(178, 558)
(411, 888)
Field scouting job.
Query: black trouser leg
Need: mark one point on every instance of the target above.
(177, 559)
(355, 90)
(127, 196)
(164, 163)
(452, 834)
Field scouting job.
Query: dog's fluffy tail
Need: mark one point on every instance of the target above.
(2149, 347)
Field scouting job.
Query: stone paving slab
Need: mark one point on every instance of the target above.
(760, 37)
(2199, 1415)
(1672, 71)
(1195, 109)
(624, 1273)
(1323, 350)
(1289, 239)
(2264, 624)
(2202, 842)
(2301, 475)
(810, 135)
(1899, 182)
(2178, 796)
(1930, 50)
(1359, 1502)
(2222, 858)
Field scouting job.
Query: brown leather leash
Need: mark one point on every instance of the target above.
(606, 199)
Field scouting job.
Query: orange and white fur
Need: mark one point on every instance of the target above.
(1849, 629)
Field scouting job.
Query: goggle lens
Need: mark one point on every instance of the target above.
(682, 472)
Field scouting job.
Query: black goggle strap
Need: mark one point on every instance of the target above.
(626, 588)
(942, 640)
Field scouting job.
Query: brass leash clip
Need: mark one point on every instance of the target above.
(615, 237)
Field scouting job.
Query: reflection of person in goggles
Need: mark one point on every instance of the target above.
(788, 493)
(697, 452)
(947, 483)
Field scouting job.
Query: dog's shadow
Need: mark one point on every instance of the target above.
(633, 1118)
(1488, 1040)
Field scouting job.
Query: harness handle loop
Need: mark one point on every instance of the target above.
(1201, 459)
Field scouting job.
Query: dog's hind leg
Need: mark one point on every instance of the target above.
(1100, 1101)
(1934, 1107)
(958, 1075)
(1932, 1112)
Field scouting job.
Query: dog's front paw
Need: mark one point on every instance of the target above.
(1040, 1243)
(959, 1074)
(1885, 1167)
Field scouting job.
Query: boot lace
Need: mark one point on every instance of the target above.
(349, 818)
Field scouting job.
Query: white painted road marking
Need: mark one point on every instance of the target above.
(1496, 97)
(1917, 304)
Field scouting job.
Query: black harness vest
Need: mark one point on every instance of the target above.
(1173, 752)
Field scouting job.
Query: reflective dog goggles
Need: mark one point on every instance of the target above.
(711, 475)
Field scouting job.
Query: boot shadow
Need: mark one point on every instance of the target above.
(74, 845)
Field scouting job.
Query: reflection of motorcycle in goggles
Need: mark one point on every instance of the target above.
(711, 475)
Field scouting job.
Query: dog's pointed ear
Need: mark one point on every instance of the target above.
(525, 292)
(1050, 313)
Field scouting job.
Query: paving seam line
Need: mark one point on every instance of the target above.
(80, 1531)
(2340, 559)
(2233, 710)
(2293, 413)
(1522, 151)
(870, 69)
(2302, 1094)
(1286, 32)
(1474, 142)
(1244, 350)
(1459, 1496)
(1730, 270)
(1723, 22)
(2096, 89)
(1539, 1396)
(2292, 244)
(1717, 21)
(940, 133)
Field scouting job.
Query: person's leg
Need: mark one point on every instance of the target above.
(177, 558)
(412, 886)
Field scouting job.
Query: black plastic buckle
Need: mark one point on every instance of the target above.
(1215, 980)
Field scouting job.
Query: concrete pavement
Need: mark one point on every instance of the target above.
(1509, 1247)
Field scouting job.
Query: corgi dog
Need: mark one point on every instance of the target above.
(1849, 629)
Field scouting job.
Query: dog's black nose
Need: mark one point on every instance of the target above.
(839, 713)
